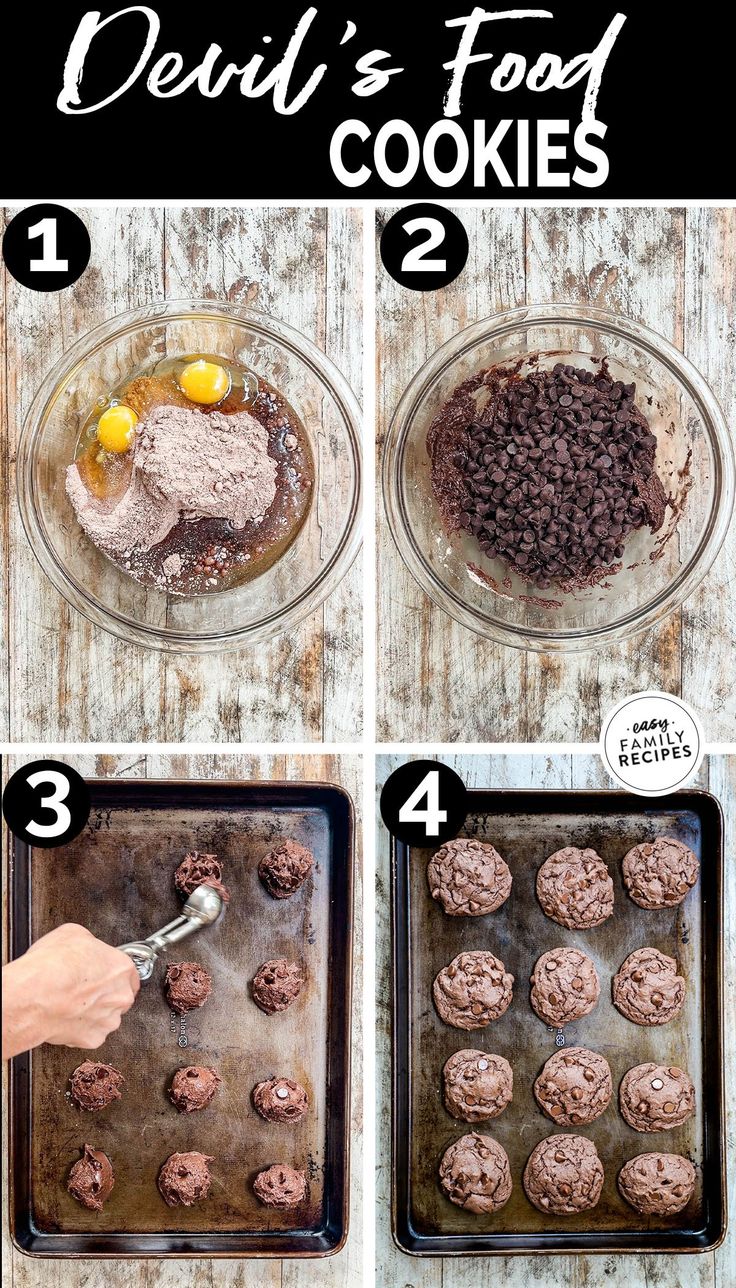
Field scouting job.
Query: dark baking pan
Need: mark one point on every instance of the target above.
(526, 827)
(116, 878)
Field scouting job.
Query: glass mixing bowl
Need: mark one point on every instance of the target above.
(694, 461)
(311, 567)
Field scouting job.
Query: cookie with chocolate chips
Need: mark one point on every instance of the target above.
(574, 1086)
(477, 1085)
(564, 1175)
(575, 888)
(475, 1174)
(655, 1097)
(565, 986)
(473, 990)
(657, 1184)
(658, 874)
(469, 878)
(648, 989)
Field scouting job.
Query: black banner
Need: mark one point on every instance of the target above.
(564, 100)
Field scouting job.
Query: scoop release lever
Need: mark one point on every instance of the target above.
(203, 908)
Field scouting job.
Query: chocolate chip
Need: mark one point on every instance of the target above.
(563, 470)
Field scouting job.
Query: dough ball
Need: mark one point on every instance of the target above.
(198, 869)
(95, 1085)
(91, 1179)
(280, 1186)
(277, 984)
(285, 868)
(194, 1087)
(280, 1100)
(187, 986)
(185, 1179)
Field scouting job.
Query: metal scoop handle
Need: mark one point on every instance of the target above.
(203, 908)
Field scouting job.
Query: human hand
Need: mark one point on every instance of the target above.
(69, 989)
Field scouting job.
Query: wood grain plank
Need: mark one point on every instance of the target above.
(69, 680)
(709, 616)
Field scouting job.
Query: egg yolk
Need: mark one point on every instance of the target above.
(116, 427)
(204, 382)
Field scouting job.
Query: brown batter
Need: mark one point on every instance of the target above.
(198, 869)
(194, 1087)
(280, 1186)
(185, 1179)
(187, 986)
(91, 1179)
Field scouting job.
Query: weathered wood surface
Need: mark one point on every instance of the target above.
(710, 1270)
(70, 681)
(674, 270)
(340, 1271)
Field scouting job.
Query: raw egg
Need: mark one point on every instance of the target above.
(116, 427)
(204, 382)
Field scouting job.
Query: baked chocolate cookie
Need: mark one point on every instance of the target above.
(277, 984)
(475, 1173)
(95, 1085)
(280, 1100)
(477, 1085)
(657, 1184)
(574, 1086)
(565, 986)
(575, 888)
(285, 868)
(469, 878)
(563, 1174)
(280, 1186)
(654, 1097)
(658, 874)
(473, 990)
(647, 988)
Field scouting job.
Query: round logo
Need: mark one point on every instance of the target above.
(652, 743)
(46, 803)
(46, 247)
(424, 803)
(424, 247)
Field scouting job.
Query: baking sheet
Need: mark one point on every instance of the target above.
(526, 827)
(116, 878)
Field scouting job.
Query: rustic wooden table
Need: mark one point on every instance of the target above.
(674, 270)
(340, 1271)
(710, 1270)
(72, 681)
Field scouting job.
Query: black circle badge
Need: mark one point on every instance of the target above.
(424, 803)
(424, 247)
(46, 247)
(46, 803)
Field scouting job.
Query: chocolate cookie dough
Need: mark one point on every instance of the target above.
(187, 986)
(198, 869)
(549, 471)
(95, 1085)
(194, 1087)
(469, 878)
(473, 990)
(285, 868)
(654, 1097)
(280, 1186)
(475, 1173)
(280, 1100)
(658, 874)
(564, 986)
(647, 988)
(91, 1179)
(564, 1175)
(575, 889)
(277, 984)
(657, 1184)
(184, 1179)
(574, 1087)
(477, 1085)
